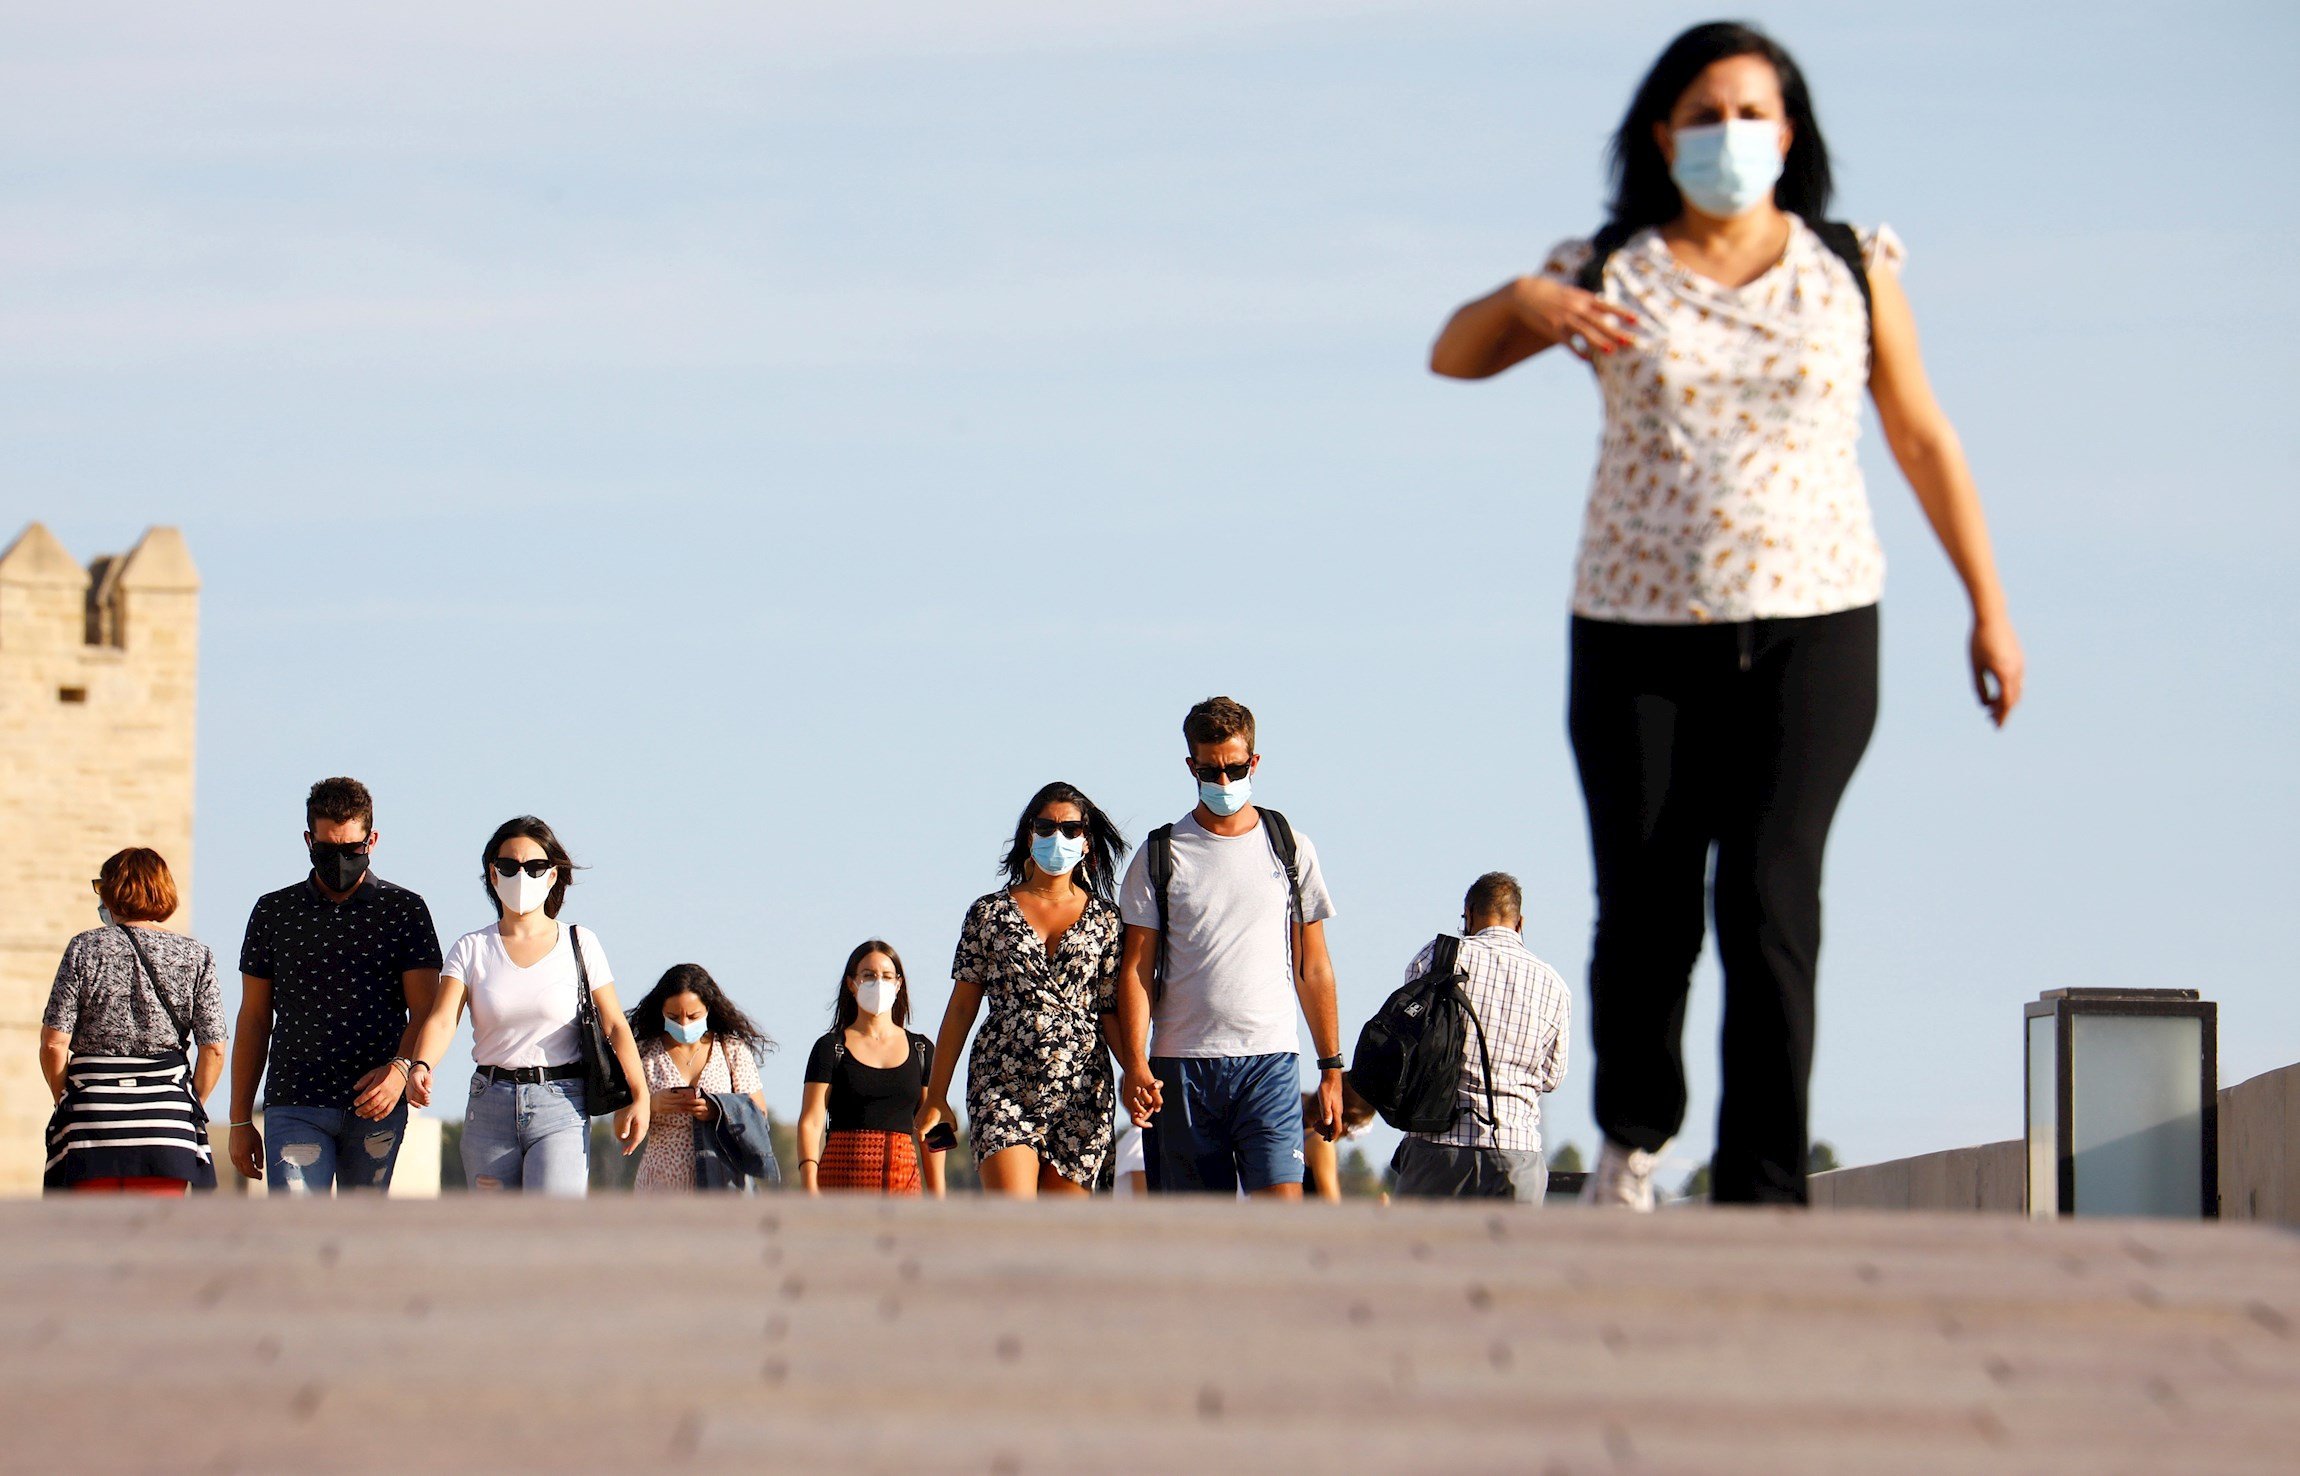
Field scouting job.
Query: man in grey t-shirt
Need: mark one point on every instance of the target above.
(1210, 1071)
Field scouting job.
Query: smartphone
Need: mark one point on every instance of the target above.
(941, 1138)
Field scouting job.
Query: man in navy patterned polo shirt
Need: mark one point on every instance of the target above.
(332, 973)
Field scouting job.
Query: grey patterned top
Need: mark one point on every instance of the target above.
(101, 999)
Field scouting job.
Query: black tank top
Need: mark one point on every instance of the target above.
(880, 1098)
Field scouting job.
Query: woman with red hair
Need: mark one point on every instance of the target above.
(117, 1043)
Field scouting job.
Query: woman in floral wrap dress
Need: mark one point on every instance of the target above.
(1042, 951)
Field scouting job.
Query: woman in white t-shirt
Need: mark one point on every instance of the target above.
(526, 1127)
(1724, 645)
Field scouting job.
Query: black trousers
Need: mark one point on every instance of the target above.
(1739, 738)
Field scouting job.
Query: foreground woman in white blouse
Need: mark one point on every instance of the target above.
(1725, 597)
(527, 1127)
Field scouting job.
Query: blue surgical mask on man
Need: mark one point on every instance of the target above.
(1726, 169)
(687, 1032)
(1226, 799)
(1057, 853)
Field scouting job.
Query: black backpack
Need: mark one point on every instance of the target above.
(1839, 237)
(1160, 860)
(1409, 1057)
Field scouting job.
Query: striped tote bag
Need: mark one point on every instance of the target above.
(131, 1116)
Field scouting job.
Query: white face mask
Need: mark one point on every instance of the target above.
(876, 996)
(522, 893)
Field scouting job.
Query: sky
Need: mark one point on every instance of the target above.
(769, 441)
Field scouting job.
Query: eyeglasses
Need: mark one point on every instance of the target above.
(505, 866)
(1216, 773)
(878, 978)
(1071, 829)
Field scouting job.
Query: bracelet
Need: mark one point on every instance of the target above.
(251, 1122)
(805, 1161)
(406, 1067)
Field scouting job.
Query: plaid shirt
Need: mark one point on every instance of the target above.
(1528, 1018)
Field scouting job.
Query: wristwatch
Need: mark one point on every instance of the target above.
(1332, 1063)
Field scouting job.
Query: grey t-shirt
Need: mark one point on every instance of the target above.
(1229, 957)
(103, 1000)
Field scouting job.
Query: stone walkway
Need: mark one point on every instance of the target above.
(776, 1334)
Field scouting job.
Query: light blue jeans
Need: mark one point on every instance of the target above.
(532, 1138)
(310, 1150)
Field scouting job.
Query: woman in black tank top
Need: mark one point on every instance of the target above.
(866, 1079)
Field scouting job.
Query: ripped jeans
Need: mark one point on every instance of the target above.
(310, 1150)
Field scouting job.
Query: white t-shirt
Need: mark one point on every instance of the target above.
(523, 1017)
(1229, 949)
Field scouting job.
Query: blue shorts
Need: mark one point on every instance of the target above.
(1229, 1122)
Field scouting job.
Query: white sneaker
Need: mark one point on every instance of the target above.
(1623, 1178)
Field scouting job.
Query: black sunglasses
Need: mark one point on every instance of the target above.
(1071, 829)
(505, 866)
(1216, 773)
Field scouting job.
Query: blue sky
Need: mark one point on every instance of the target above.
(768, 444)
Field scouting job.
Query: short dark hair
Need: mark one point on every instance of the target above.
(1643, 192)
(1495, 894)
(846, 1011)
(727, 1022)
(342, 800)
(135, 885)
(536, 831)
(1218, 720)
(1105, 844)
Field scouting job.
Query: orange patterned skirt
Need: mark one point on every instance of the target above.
(874, 1162)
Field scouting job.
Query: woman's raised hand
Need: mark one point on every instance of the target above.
(1561, 313)
(929, 1114)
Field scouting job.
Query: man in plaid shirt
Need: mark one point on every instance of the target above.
(1528, 1019)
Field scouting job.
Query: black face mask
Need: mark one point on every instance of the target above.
(338, 867)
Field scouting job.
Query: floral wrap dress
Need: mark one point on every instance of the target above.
(1039, 1076)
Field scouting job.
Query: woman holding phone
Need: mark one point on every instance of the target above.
(866, 1078)
(1043, 951)
(1725, 596)
(526, 1126)
(695, 1044)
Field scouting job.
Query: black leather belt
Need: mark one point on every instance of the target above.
(533, 1075)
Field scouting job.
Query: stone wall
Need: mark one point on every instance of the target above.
(97, 683)
(2259, 1174)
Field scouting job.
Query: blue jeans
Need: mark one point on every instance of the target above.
(535, 1138)
(1229, 1122)
(310, 1150)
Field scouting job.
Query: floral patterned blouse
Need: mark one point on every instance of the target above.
(1727, 485)
(1039, 1075)
(668, 1160)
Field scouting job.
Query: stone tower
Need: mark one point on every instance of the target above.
(97, 671)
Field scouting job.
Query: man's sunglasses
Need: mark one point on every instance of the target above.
(1071, 829)
(505, 866)
(1216, 773)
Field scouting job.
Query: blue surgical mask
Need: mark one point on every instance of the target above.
(104, 913)
(1728, 168)
(687, 1032)
(1057, 853)
(1226, 799)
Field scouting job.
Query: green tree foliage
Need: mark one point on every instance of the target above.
(1566, 1159)
(1359, 1181)
(1696, 1185)
(1820, 1158)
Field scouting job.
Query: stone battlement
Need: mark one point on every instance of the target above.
(98, 677)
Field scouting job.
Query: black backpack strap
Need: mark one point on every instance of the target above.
(1445, 963)
(1611, 237)
(183, 1030)
(1845, 242)
(1158, 858)
(1282, 845)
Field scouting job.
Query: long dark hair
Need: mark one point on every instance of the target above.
(846, 1011)
(727, 1022)
(536, 831)
(1643, 192)
(1105, 847)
